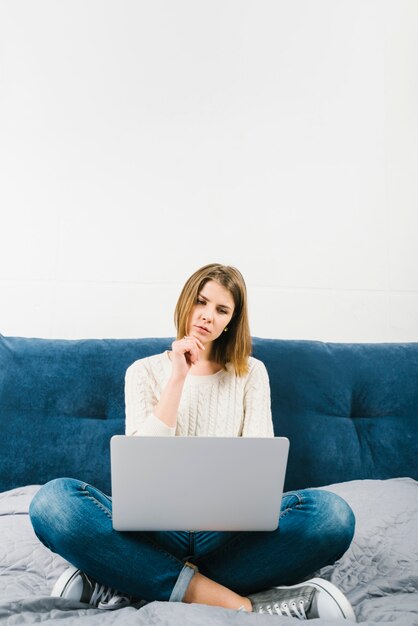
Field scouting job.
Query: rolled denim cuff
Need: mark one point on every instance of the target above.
(183, 581)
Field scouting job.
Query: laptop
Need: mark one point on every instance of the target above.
(197, 483)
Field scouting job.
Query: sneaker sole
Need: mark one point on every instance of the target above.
(333, 591)
(61, 585)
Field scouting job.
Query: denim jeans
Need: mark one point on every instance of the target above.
(73, 519)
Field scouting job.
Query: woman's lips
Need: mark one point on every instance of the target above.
(202, 330)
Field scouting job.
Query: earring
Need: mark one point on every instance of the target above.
(226, 329)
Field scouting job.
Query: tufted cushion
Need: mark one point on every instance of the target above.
(60, 402)
(349, 410)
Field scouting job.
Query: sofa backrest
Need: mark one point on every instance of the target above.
(349, 410)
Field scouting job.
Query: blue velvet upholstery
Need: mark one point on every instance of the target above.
(349, 410)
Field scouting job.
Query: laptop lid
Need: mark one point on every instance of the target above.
(197, 483)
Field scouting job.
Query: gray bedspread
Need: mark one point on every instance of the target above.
(379, 573)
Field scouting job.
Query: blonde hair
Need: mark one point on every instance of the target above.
(235, 345)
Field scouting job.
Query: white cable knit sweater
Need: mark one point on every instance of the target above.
(221, 404)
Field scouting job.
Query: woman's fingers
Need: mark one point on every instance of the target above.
(188, 347)
(185, 353)
(192, 348)
(192, 345)
(200, 344)
(197, 341)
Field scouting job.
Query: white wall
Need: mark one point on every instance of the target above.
(141, 140)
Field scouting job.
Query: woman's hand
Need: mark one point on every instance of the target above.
(185, 353)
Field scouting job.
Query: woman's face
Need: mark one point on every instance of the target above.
(213, 311)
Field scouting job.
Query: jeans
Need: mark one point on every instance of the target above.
(73, 519)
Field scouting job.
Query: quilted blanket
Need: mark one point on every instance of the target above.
(379, 573)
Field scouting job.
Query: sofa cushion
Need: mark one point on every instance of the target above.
(60, 402)
(349, 410)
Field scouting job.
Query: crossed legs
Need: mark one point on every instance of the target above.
(74, 520)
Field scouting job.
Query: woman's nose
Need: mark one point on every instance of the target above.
(207, 315)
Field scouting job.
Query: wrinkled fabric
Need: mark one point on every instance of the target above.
(379, 572)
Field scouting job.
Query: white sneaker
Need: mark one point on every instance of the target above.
(76, 585)
(312, 598)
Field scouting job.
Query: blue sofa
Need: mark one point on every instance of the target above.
(350, 412)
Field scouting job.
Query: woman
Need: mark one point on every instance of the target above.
(207, 385)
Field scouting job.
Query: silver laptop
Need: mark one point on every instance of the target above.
(197, 483)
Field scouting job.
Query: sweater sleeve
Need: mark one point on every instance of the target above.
(140, 401)
(258, 420)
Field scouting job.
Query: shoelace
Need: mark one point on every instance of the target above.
(292, 609)
(107, 598)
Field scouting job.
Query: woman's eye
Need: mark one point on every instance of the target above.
(204, 302)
